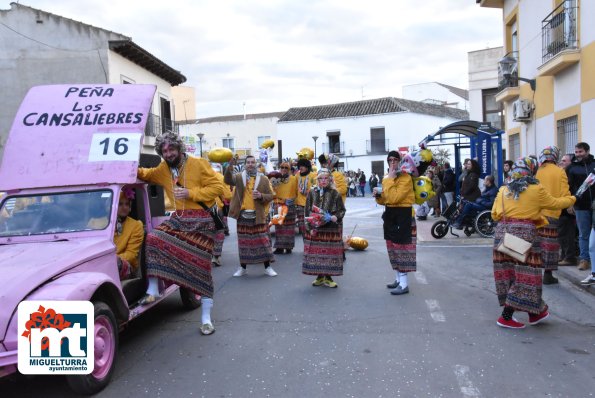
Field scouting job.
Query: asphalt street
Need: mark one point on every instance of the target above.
(281, 337)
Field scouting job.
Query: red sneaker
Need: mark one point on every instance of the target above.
(512, 324)
(535, 319)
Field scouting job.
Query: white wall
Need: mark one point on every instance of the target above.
(567, 88)
(119, 66)
(401, 129)
(244, 132)
(588, 123)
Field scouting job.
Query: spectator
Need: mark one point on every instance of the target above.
(434, 202)
(567, 226)
(362, 183)
(582, 164)
(352, 187)
(470, 185)
(448, 183)
(484, 202)
(373, 181)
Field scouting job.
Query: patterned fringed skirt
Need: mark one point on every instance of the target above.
(254, 242)
(323, 251)
(519, 285)
(300, 219)
(179, 250)
(285, 234)
(550, 247)
(218, 242)
(402, 257)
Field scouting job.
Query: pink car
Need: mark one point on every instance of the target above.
(69, 153)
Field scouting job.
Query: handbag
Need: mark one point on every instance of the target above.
(512, 245)
(214, 212)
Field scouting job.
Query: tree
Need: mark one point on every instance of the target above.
(441, 155)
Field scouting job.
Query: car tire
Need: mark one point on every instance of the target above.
(189, 300)
(106, 347)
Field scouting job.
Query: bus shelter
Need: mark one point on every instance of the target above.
(482, 140)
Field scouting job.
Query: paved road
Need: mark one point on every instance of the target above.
(281, 337)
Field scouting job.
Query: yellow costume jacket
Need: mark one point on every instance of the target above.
(129, 242)
(555, 182)
(286, 190)
(197, 176)
(530, 204)
(397, 192)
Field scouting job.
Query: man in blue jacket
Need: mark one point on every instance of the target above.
(484, 202)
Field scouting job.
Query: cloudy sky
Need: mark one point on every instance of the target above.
(276, 54)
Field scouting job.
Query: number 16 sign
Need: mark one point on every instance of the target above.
(107, 147)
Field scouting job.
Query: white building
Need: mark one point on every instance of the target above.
(243, 134)
(361, 133)
(438, 94)
(42, 48)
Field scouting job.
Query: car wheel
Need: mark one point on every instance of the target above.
(106, 346)
(189, 299)
(439, 229)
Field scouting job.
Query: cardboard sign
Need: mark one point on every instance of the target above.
(65, 135)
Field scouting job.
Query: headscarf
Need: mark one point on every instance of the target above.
(332, 160)
(169, 138)
(549, 153)
(127, 193)
(522, 175)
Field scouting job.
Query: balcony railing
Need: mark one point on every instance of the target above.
(558, 30)
(157, 125)
(377, 146)
(336, 148)
(513, 80)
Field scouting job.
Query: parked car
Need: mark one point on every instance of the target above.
(51, 247)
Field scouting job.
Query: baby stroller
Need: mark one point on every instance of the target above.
(481, 222)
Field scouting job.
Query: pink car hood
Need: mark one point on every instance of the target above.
(26, 266)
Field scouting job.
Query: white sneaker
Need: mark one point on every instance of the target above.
(589, 280)
(270, 271)
(240, 272)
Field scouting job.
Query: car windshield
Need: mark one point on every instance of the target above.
(52, 213)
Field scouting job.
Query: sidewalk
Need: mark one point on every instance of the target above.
(424, 237)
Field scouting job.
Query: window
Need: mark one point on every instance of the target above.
(377, 140)
(514, 146)
(378, 168)
(334, 141)
(492, 110)
(166, 122)
(567, 134)
(228, 143)
(263, 138)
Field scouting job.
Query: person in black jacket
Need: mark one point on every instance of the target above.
(470, 186)
(448, 183)
(484, 202)
(582, 164)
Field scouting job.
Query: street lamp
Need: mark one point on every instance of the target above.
(315, 137)
(200, 135)
(508, 66)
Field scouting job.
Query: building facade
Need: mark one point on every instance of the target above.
(243, 134)
(546, 82)
(361, 133)
(42, 48)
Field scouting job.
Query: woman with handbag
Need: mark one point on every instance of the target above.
(518, 209)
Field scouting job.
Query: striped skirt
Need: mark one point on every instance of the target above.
(300, 219)
(402, 257)
(179, 250)
(254, 242)
(519, 285)
(323, 251)
(285, 234)
(550, 247)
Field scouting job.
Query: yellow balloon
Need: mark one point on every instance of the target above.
(358, 243)
(220, 155)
